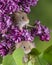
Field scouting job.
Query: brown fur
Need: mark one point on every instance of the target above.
(19, 16)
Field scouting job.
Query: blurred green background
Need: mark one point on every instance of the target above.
(43, 12)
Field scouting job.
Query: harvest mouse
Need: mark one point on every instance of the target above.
(20, 18)
(27, 46)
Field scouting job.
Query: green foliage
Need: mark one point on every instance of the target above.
(48, 55)
(9, 60)
(29, 63)
(40, 61)
(1, 60)
(15, 58)
(18, 56)
(34, 52)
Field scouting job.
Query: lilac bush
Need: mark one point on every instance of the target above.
(40, 30)
(9, 6)
(3, 48)
(10, 34)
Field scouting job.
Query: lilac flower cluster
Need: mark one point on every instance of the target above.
(10, 34)
(40, 30)
(14, 35)
(3, 49)
(6, 47)
(5, 23)
(9, 6)
(17, 35)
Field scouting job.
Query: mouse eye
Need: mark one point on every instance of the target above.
(23, 17)
(24, 47)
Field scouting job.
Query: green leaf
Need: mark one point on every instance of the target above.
(34, 52)
(18, 56)
(48, 55)
(29, 63)
(9, 60)
(15, 58)
(40, 61)
(1, 59)
(1, 64)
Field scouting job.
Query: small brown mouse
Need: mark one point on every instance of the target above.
(27, 46)
(20, 19)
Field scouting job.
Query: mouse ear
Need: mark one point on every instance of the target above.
(13, 14)
(33, 45)
(16, 12)
(18, 45)
(20, 11)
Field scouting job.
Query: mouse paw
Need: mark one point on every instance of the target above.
(25, 59)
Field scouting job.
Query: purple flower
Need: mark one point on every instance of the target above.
(3, 49)
(41, 31)
(5, 23)
(6, 47)
(26, 35)
(2, 4)
(10, 6)
(17, 35)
